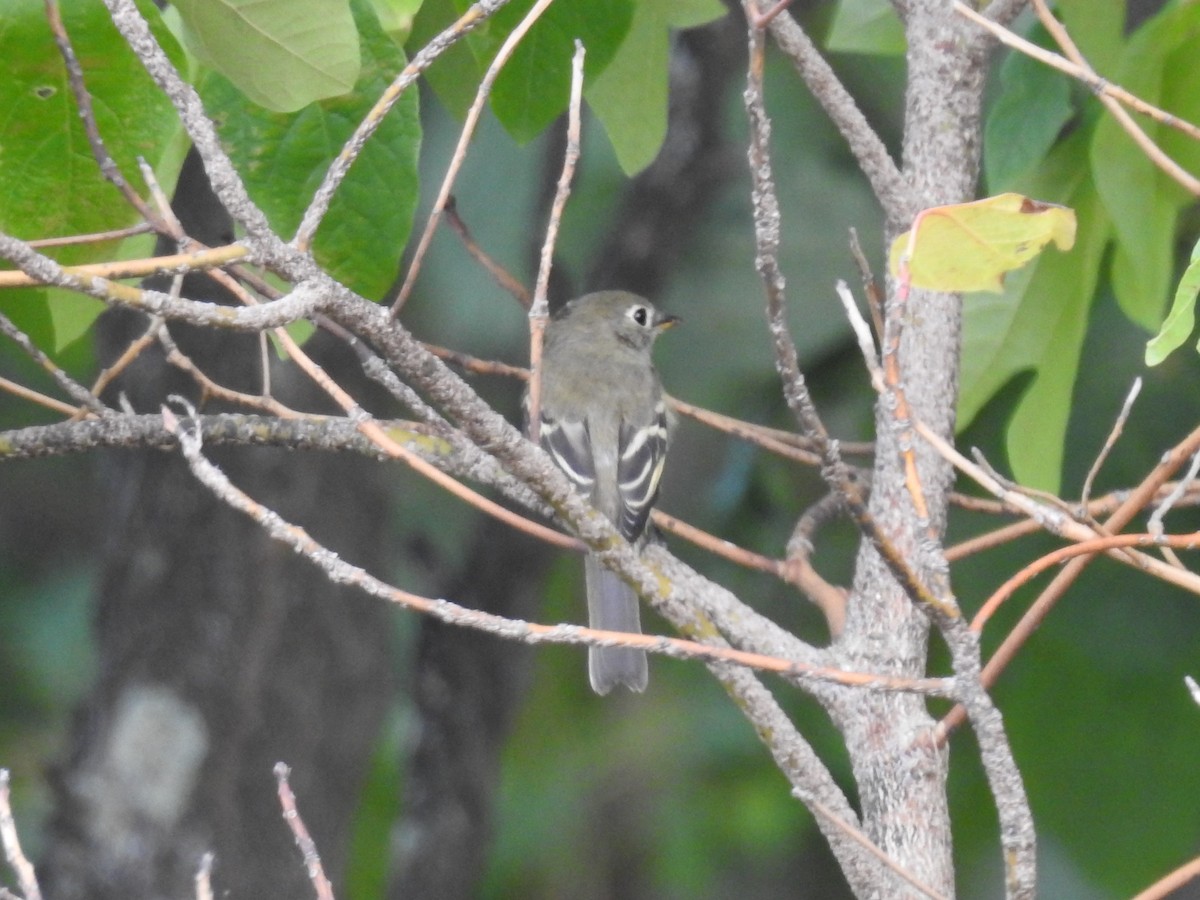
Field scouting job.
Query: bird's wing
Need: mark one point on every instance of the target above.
(642, 449)
(568, 441)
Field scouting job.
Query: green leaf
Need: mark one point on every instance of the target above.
(630, 97)
(1142, 202)
(49, 183)
(283, 158)
(282, 54)
(1097, 27)
(1179, 323)
(396, 17)
(866, 26)
(1024, 121)
(1181, 96)
(1038, 324)
(534, 87)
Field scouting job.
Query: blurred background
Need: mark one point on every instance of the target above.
(491, 770)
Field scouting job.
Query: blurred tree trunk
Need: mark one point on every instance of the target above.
(220, 653)
(467, 685)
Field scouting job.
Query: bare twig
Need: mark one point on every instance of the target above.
(1171, 882)
(1057, 518)
(767, 232)
(128, 355)
(25, 393)
(539, 309)
(460, 151)
(1108, 94)
(222, 174)
(98, 237)
(1135, 501)
(175, 264)
(73, 388)
(856, 834)
(303, 301)
(1111, 440)
(1083, 548)
(341, 572)
(872, 155)
(83, 101)
(26, 876)
(371, 428)
(1155, 525)
(476, 15)
(204, 878)
(870, 286)
(308, 847)
(502, 276)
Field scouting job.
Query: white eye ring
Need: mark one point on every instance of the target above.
(640, 315)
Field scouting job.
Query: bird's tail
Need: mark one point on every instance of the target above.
(613, 606)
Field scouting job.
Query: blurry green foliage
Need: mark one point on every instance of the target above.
(50, 185)
(1102, 727)
(281, 54)
(283, 157)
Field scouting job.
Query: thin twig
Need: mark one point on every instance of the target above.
(475, 16)
(870, 286)
(342, 572)
(26, 876)
(718, 546)
(1135, 501)
(1155, 525)
(73, 388)
(308, 847)
(83, 101)
(1063, 38)
(204, 877)
(99, 237)
(1058, 519)
(222, 174)
(767, 233)
(460, 151)
(25, 393)
(1082, 548)
(128, 355)
(1111, 440)
(856, 834)
(887, 182)
(1171, 882)
(539, 309)
(175, 264)
(1108, 94)
(502, 276)
(374, 432)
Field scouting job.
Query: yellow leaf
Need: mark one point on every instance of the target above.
(970, 246)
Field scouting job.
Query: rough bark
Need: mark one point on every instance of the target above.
(902, 778)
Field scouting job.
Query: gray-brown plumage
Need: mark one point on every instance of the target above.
(604, 422)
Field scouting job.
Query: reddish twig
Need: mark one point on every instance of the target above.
(342, 572)
(1172, 881)
(308, 847)
(502, 276)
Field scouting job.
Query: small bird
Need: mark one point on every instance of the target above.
(604, 422)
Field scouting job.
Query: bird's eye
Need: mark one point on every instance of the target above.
(640, 315)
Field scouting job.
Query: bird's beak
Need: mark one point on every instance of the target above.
(667, 322)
